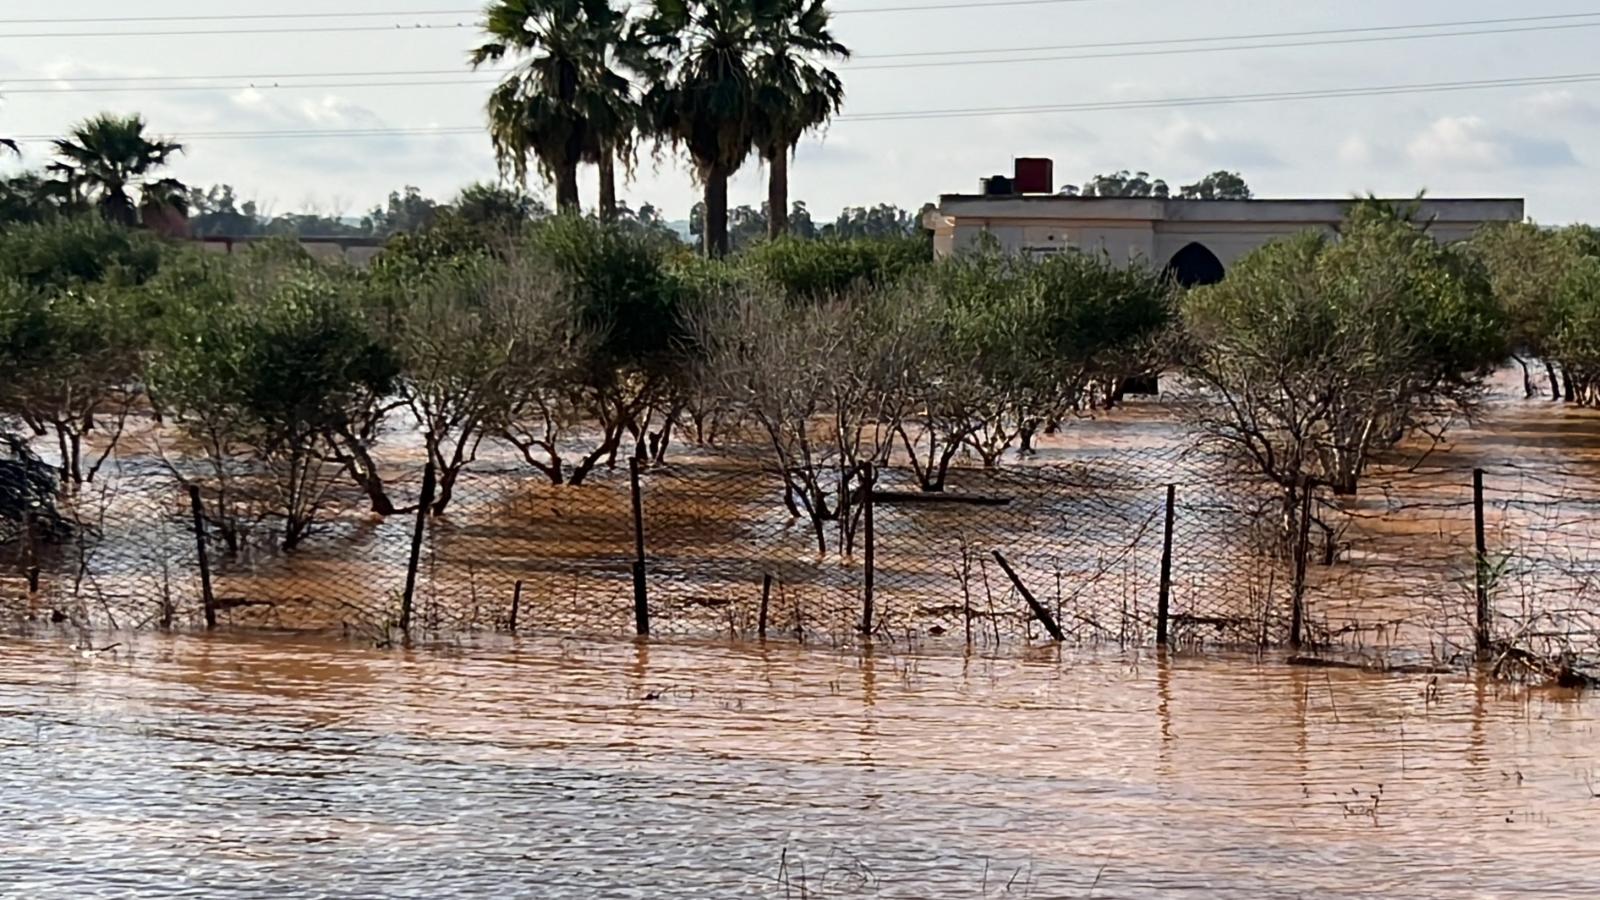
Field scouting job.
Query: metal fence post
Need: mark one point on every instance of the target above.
(641, 597)
(1163, 601)
(423, 505)
(766, 597)
(30, 554)
(1481, 631)
(1297, 612)
(516, 604)
(870, 564)
(1039, 612)
(206, 597)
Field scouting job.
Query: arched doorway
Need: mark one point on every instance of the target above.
(1195, 265)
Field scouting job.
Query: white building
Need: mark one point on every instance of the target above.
(1197, 239)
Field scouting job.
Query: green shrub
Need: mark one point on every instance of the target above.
(61, 252)
(819, 269)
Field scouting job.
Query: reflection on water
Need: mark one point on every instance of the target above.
(257, 767)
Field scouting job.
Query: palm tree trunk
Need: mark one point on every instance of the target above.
(716, 224)
(608, 186)
(567, 200)
(778, 194)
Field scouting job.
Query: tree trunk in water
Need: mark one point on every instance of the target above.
(567, 200)
(1527, 378)
(778, 194)
(447, 489)
(608, 187)
(716, 224)
(1555, 385)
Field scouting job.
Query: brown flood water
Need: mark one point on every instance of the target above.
(259, 766)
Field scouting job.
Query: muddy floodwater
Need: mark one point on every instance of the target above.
(273, 767)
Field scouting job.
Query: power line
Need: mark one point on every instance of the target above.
(1383, 34)
(463, 78)
(255, 86)
(1260, 35)
(398, 27)
(417, 27)
(365, 14)
(402, 13)
(1182, 51)
(934, 7)
(1228, 99)
(968, 112)
(398, 73)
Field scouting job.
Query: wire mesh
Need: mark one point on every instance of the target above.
(727, 554)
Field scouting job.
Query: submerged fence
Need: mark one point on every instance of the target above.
(1123, 548)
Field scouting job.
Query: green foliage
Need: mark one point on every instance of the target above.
(28, 487)
(826, 268)
(106, 158)
(1574, 337)
(1219, 185)
(623, 287)
(406, 212)
(1526, 265)
(69, 361)
(1100, 316)
(1316, 353)
(497, 209)
(880, 222)
(27, 197)
(570, 99)
(278, 344)
(73, 327)
(1124, 184)
(273, 373)
(59, 253)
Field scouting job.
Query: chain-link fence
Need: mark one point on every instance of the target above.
(1095, 547)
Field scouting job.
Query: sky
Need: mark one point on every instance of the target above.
(1540, 141)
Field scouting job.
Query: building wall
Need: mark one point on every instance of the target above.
(357, 252)
(1154, 230)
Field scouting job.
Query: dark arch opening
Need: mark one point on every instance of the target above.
(1195, 265)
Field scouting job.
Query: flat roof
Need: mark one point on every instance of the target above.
(1277, 209)
(1252, 200)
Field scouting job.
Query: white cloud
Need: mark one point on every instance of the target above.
(1195, 142)
(1563, 104)
(1469, 142)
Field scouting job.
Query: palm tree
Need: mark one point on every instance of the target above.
(615, 114)
(793, 93)
(107, 157)
(569, 101)
(706, 102)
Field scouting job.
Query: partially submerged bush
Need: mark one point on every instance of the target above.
(1316, 354)
(28, 487)
(278, 385)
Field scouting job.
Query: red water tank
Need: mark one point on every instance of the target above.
(1033, 175)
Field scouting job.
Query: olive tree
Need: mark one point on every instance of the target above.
(477, 340)
(1315, 354)
(610, 357)
(69, 364)
(1574, 336)
(822, 382)
(72, 329)
(1013, 345)
(273, 374)
(1526, 266)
